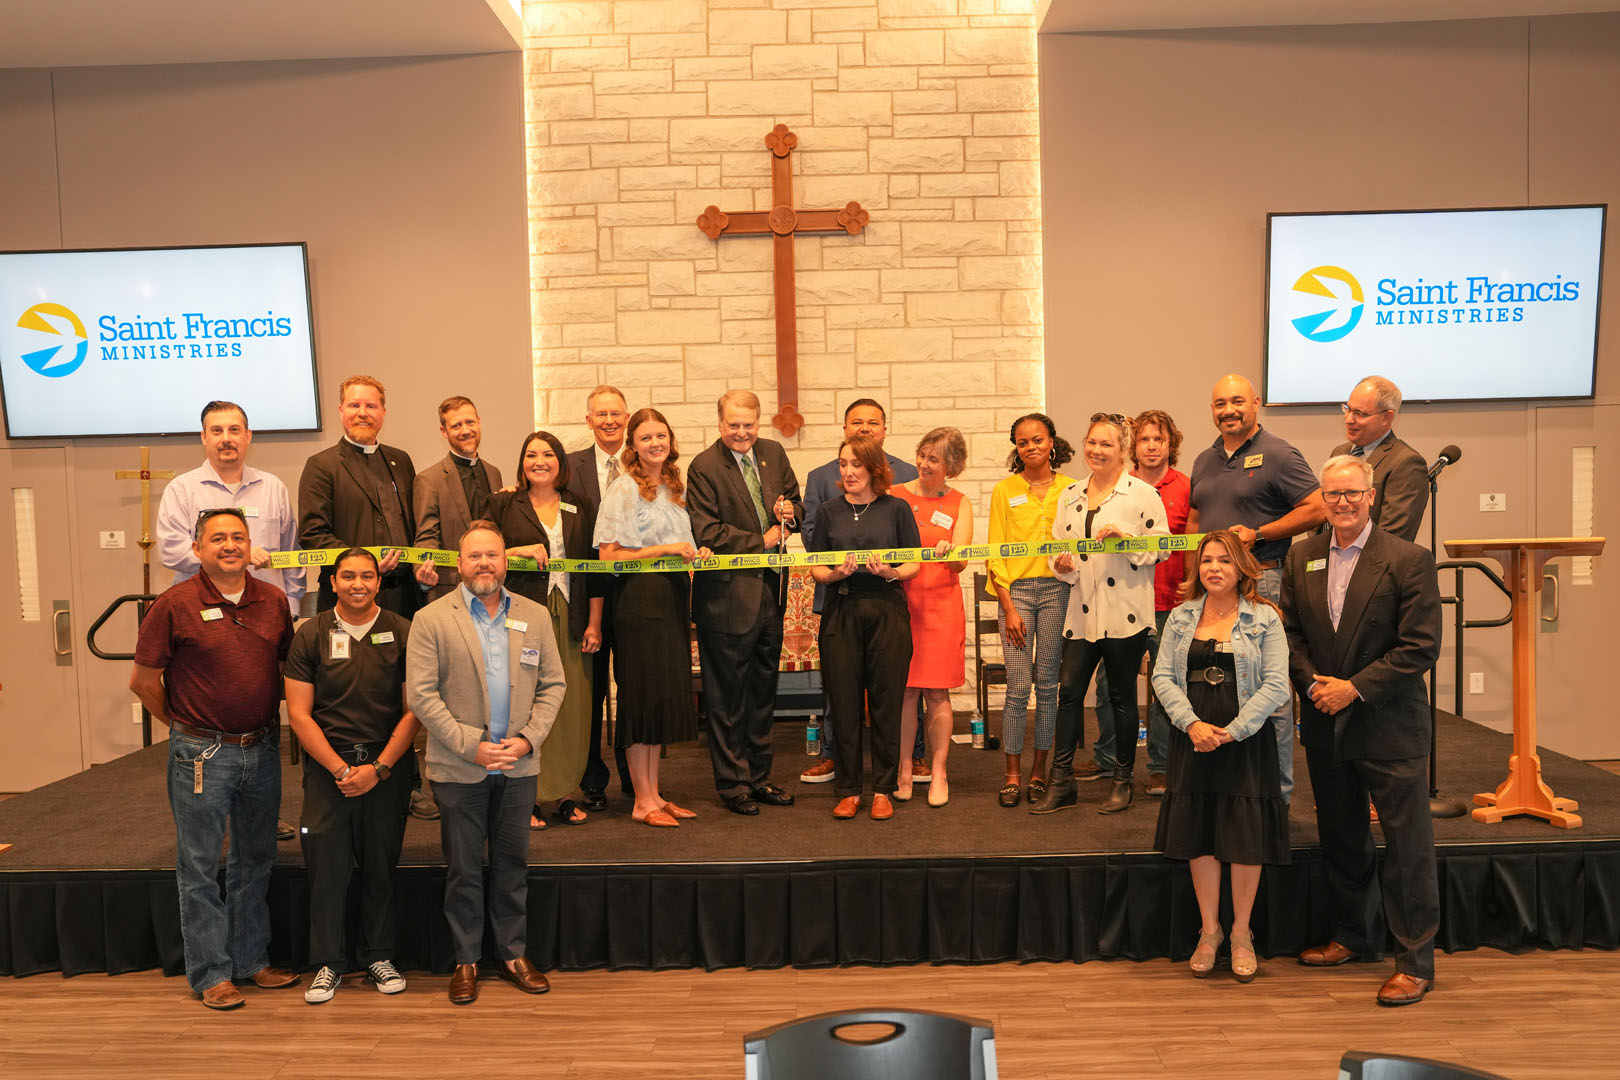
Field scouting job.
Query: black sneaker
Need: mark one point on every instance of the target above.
(323, 986)
(385, 977)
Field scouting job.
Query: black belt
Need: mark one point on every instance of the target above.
(1212, 675)
(246, 738)
(359, 753)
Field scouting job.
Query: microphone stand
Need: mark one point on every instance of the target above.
(1438, 807)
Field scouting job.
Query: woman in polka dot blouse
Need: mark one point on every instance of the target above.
(1110, 611)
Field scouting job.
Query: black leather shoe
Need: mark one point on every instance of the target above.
(772, 795)
(593, 799)
(741, 804)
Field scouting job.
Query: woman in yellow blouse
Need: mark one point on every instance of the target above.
(1032, 600)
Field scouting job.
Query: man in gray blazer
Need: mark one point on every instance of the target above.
(483, 675)
(1400, 475)
(453, 492)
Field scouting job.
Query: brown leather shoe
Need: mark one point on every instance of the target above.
(223, 995)
(464, 984)
(271, 978)
(525, 976)
(1330, 955)
(847, 807)
(882, 808)
(1404, 989)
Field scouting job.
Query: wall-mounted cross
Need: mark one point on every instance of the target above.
(146, 474)
(783, 222)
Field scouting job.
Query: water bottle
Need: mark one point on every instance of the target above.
(976, 726)
(1141, 733)
(812, 737)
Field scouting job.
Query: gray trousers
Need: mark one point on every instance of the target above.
(493, 813)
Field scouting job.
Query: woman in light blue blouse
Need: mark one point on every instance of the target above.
(1222, 671)
(643, 517)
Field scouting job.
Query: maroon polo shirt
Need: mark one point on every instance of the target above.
(223, 673)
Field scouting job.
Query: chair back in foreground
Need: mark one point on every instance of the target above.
(916, 1046)
(1370, 1065)
(986, 673)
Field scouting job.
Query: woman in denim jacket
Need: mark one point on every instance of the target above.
(1222, 671)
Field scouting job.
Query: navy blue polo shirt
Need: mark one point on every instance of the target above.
(1261, 482)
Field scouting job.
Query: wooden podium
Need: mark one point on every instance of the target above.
(1524, 792)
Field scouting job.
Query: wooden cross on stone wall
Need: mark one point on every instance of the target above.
(784, 222)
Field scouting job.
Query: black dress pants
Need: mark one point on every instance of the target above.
(865, 642)
(739, 698)
(494, 812)
(1122, 659)
(1411, 896)
(339, 833)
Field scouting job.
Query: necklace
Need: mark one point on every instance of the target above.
(857, 512)
(1224, 614)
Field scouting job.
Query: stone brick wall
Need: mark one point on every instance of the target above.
(643, 112)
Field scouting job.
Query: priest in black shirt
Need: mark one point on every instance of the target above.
(345, 680)
(865, 634)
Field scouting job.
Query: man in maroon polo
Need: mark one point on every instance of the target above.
(208, 664)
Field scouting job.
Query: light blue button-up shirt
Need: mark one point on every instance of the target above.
(492, 639)
(1341, 567)
(272, 525)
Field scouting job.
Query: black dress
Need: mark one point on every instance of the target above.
(1227, 802)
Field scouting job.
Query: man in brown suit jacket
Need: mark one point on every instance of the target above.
(453, 492)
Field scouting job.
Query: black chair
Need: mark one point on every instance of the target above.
(917, 1046)
(986, 673)
(1366, 1065)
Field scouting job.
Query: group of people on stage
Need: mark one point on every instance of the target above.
(506, 674)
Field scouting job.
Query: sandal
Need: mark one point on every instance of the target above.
(1008, 796)
(1036, 790)
(1203, 957)
(566, 810)
(537, 819)
(656, 818)
(679, 811)
(1244, 962)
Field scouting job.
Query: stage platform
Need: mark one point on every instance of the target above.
(88, 884)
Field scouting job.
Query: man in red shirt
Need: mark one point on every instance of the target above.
(208, 664)
(1155, 449)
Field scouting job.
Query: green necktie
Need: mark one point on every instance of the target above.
(751, 478)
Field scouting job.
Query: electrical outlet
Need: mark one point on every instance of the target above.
(135, 712)
(113, 539)
(1476, 682)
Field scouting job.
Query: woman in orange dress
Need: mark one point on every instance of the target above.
(934, 596)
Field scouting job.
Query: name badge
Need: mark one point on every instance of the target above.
(569, 507)
(517, 624)
(249, 511)
(340, 644)
(1018, 500)
(383, 638)
(529, 657)
(1315, 564)
(209, 614)
(1253, 461)
(942, 520)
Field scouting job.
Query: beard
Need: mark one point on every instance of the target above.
(482, 587)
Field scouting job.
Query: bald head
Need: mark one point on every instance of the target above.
(1235, 408)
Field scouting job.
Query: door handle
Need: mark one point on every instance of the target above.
(57, 628)
(1554, 616)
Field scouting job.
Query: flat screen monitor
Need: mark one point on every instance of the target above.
(1453, 305)
(136, 341)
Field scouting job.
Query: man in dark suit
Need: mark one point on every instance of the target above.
(1362, 611)
(358, 494)
(453, 492)
(863, 416)
(1400, 475)
(590, 471)
(743, 499)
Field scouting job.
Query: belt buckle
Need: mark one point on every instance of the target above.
(248, 738)
(1214, 675)
(362, 754)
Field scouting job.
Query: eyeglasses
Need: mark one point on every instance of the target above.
(1358, 414)
(1351, 496)
(1099, 417)
(204, 515)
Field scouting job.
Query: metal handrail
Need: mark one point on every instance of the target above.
(1461, 623)
(141, 600)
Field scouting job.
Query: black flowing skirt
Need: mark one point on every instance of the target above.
(652, 645)
(1227, 802)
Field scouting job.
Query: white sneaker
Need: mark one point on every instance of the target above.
(322, 986)
(386, 977)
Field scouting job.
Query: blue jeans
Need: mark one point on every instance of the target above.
(1270, 587)
(1158, 744)
(225, 937)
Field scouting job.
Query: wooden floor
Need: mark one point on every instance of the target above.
(1536, 1015)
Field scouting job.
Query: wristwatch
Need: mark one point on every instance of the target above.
(383, 771)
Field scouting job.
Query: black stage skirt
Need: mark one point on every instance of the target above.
(652, 643)
(1228, 802)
